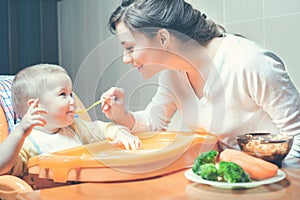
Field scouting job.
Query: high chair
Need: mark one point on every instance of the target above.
(162, 152)
(9, 185)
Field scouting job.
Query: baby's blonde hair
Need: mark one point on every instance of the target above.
(30, 82)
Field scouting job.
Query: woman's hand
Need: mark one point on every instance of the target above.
(113, 106)
(33, 117)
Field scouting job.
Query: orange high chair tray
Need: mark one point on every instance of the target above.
(162, 152)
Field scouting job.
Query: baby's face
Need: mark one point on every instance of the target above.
(58, 99)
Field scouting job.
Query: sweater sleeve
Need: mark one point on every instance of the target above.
(27, 151)
(159, 111)
(270, 86)
(111, 129)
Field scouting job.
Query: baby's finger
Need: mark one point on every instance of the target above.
(35, 103)
(39, 118)
(138, 144)
(39, 122)
(125, 144)
(37, 111)
(133, 144)
(42, 111)
(118, 143)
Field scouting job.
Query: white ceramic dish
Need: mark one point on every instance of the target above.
(195, 178)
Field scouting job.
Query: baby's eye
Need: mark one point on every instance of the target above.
(62, 94)
(129, 48)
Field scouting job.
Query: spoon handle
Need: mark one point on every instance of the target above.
(91, 106)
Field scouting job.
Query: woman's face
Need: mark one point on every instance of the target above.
(144, 53)
(57, 98)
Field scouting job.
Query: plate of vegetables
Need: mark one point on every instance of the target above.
(225, 174)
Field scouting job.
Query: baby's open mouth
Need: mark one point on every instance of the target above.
(140, 67)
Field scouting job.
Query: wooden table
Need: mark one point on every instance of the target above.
(172, 187)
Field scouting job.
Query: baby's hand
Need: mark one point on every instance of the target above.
(33, 117)
(127, 139)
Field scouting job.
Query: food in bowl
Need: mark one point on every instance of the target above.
(270, 147)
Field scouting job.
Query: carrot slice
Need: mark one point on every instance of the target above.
(256, 168)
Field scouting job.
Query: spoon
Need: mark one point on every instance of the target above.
(272, 141)
(93, 105)
(265, 140)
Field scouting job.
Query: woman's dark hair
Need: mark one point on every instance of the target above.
(174, 15)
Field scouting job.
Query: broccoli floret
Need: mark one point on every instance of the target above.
(209, 172)
(204, 158)
(232, 172)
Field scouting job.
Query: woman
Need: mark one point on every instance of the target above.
(223, 83)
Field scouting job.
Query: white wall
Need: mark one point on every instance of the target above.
(93, 56)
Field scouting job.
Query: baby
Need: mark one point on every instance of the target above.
(43, 98)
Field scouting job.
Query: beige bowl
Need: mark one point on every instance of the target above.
(269, 147)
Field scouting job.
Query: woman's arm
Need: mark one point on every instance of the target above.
(156, 116)
(158, 113)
